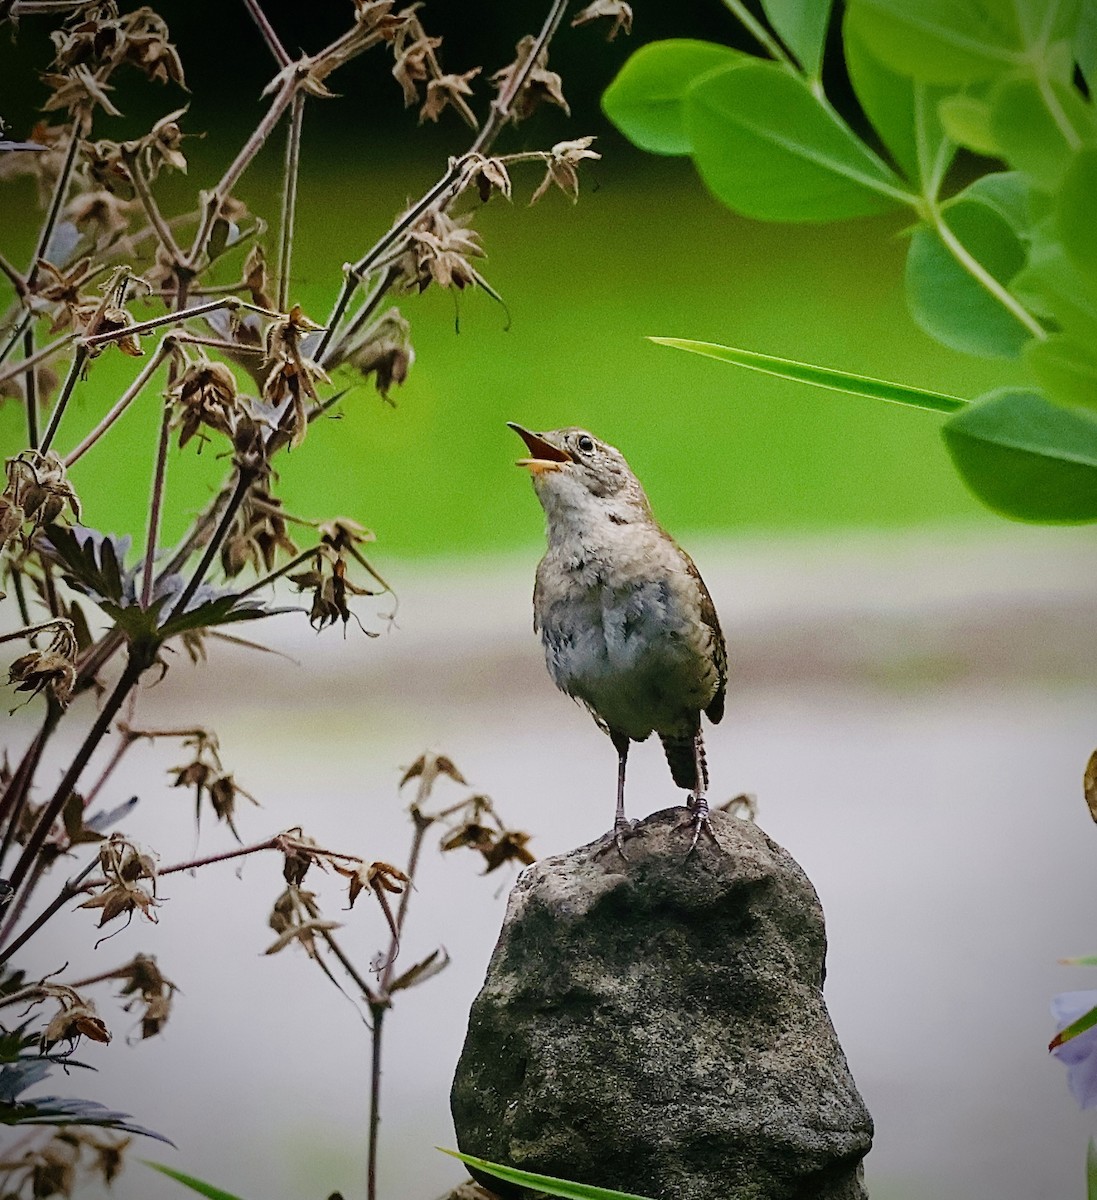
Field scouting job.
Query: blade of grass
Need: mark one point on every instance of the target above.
(544, 1183)
(824, 377)
(1084, 1022)
(195, 1185)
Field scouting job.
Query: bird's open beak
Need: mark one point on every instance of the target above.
(543, 456)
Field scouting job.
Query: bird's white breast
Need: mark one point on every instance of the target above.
(622, 634)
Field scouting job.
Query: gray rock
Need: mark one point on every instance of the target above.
(658, 1026)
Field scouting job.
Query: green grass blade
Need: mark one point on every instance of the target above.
(195, 1185)
(1084, 1023)
(544, 1183)
(824, 377)
(1091, 1171)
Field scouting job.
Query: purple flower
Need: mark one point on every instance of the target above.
(1080, 1053)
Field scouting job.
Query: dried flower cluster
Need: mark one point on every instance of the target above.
(202, 304)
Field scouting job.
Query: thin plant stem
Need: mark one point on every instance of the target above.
(60, 192)
(296, 561)
(444, 190)
(156, 504)
(239, 165)
(71, 889)
(11, 806)
(173, 318)
(75, 367)
(369, 307)
(983, 277)
(422, 824)
(244, 480)
(125, 741)
(377, 1012)
(31, 388)
(133, 671)
(18, 907)
(16, 334)
(289, 195)
(39, 355)
(267, 30)
(152, 209)
(760, 33)
(123, 402)
(17, 280)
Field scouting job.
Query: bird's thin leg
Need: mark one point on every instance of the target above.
(698, 801)
(622, 826)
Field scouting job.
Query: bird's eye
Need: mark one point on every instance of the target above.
(586, 444)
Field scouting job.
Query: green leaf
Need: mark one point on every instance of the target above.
(824, 377)
(902, 112)
(223, 610)
(644, 101)
(1085, 43)
(946, 298)
(93, 560)
(543, 1183)
(1084, 1022)
(767, 147)
(1011, 196)
(1038, 129)
(1065, 368)
(1027, 458)
(1091, 1170)
(189, 1181)
(941, 41)
(802, 25)
(66, 1110)
(1051, 284)
(1075, 212)
(1083, 960)
(967, 120)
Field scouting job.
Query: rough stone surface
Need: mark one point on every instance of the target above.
(658, 1026)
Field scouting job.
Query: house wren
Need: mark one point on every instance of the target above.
(628, 626)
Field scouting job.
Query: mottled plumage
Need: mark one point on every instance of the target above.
(628, 626)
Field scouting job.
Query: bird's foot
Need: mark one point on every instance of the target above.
(623, 829)
(698, 821)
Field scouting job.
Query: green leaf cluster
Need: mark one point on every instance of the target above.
(1003, 267)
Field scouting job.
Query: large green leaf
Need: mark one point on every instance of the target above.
(1065, 368)
(1027, 458)
(769, 148)
(941, 41)
(824, 377)
(645, 99)
(903, 113)
(548, 1184)
(802, 25)
(948, 299)
(1076, 213)
(1038, 128)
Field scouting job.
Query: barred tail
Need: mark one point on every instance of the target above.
(682, 760)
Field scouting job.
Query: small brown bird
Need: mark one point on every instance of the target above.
(628, 626)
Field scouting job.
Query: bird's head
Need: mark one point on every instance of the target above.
(573, 471)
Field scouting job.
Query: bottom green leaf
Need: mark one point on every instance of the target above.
(1027, 458)
(543, 1183)
(189, 1181)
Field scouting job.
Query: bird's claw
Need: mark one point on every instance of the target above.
(622, 830)
(698, 821)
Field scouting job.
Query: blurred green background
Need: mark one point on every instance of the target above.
(646, 251)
